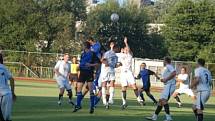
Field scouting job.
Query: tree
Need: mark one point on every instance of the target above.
(189, 26)
(28, 22)
(132, 23)
(37, 25)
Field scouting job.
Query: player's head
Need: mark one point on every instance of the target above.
(90, 40)
(1, 58)
(111, 42)
(126, 50)
(143, 65)
(115, 49)
(183, 70)
(167, 60)
(66, 57)
(74, 59)
(86, 45)
(201, 62)
(122, 50)
(104, 61)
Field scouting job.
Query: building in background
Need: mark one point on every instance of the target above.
(139, 3)
(91, 4)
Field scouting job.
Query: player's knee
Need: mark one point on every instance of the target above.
(148, 93)
(199, 111)
(69, 92)
(162, 102)
(194, 107)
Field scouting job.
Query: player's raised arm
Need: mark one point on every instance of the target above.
(127, 46)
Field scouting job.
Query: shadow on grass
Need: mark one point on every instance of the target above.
(35, 86)
(46, 109)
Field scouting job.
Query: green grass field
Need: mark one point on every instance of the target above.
(38, 102)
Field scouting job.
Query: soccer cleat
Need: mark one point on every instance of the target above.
(142, 103)
(91, 110)
(179, 105)
(110, 102)
(107, 106)
(124, 106)
(59, 102)
(152, 118)
(168, 118)
(76, 108)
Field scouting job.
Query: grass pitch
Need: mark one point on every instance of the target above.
(38, 102)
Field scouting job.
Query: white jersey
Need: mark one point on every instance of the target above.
(168, 69)
(204, 79)
(5, 75)
(185, 80)
(126, 60)
(63, 68)
(119, 55)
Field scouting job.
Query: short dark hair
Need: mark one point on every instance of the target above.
(167, 59)
(1, 58)
(143, 63)
(201, 62)
(87, 45)
(183, 67)
(90, 38)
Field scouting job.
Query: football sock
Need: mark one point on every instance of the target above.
(123, 97)
(79, 98)
(158, 110)
(199, 117)
(166, 108)
(142, 97)
(177, 99)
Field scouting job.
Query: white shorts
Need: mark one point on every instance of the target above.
(64, 84)
(201, 99)
(6, 106)
(108, 76)
(127, 78)
(167, 91)
(187, 91)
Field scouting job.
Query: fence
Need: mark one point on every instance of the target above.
(40, 65)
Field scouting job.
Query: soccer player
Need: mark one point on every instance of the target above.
(202, 83)
(183, 80)
(144, 74)
(168, 78)
(95, 47)
(87, 64)
(74, 73)
(7, 94)
(108, 74)
(62, 71)
(126, 75)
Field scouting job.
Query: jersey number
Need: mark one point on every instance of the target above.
(206, 78)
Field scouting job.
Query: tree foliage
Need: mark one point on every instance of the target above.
(132, 23)
(29, 22)
(189, 28)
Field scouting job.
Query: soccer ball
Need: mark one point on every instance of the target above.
(114, 17)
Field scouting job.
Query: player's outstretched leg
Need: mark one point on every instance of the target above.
(98, 97)
(60, 97)
(124, 103)
(141, 96)
(151, 97)
(70, 97)
(111, 92)
(92, 102)
(78, 101)
(156, 113)
(178, 101)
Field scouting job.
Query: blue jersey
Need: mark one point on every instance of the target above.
(87, 57)
(144, 74)
(96, 49)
